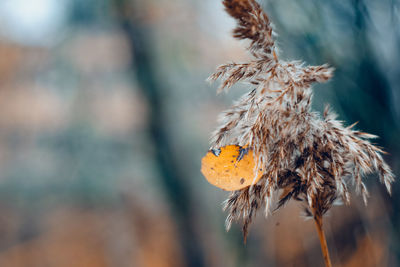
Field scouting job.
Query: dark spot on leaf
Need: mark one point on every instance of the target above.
(216, 152)
(242, 153)
(242, 180)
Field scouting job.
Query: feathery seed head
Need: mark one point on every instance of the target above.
(303, 156)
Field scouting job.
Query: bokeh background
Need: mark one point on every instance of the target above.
(105, 115)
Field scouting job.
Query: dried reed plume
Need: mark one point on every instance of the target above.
(302, 155)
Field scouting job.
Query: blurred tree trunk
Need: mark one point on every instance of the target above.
(145, 72)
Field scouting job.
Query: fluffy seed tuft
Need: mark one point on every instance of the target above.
(304, 156)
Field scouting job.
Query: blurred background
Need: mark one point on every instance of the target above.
(105, 115)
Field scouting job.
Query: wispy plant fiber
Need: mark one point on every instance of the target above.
(303, 155)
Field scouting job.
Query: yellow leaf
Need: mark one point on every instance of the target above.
(230, 167)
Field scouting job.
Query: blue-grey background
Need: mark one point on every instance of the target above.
(105, 115)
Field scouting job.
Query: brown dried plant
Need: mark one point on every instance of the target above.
(303, 156)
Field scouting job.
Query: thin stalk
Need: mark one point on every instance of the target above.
(322, 240)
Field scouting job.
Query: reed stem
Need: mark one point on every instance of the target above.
(322, 240)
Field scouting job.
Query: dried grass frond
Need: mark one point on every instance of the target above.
(304, 156)
(252, 24)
